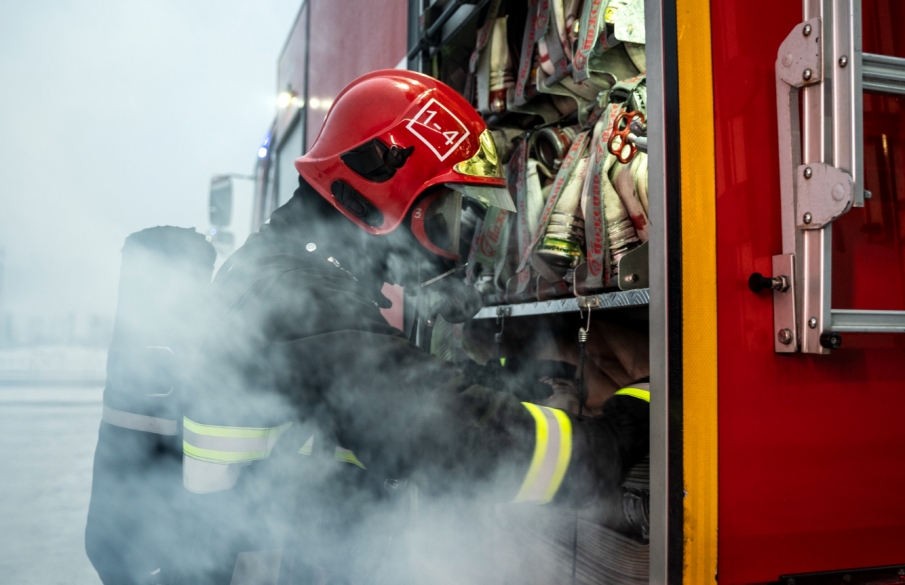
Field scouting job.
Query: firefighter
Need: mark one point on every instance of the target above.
(307, 404)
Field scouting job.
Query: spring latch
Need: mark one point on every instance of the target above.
(582, 342)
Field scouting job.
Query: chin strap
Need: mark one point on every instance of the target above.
(436, 279)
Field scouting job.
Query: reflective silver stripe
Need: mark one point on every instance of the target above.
(221, 444)
(231, 444)
(257, 567)
(206, 477)
(139, 422)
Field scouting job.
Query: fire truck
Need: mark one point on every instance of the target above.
(769, 274)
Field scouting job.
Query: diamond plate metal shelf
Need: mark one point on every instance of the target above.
(613, 300)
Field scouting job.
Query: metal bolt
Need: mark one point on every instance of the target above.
(867, 194)
(838, 192)
(311, 246)
(812, 322)
(843, 61)
(807, 218)
(808, 173)
(784, 336)
(806, 75)
(631, 278)
(787, 60)
(807, 30)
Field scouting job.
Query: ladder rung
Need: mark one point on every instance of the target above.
(866, 321)
(883, 74)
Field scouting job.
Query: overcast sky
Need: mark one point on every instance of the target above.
(113, 117)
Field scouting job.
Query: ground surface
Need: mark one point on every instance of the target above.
(47, 438)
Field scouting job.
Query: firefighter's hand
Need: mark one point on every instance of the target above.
(565, 394)
(605, 448)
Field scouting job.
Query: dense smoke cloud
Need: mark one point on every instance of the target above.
(268, 350)
(114, 118)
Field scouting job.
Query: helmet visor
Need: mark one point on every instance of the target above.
(486, 194)
(436, 220)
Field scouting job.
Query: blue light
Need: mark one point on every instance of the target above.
(213, 231)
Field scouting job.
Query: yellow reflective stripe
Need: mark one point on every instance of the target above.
(222, 444)
(347, 456)
(339, 454)
(552, 452)
(221, 456)
(308, 447)
(540, 451)
(235, 432)
(635, 393)
(565, 453)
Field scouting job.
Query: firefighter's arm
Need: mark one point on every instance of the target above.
(406, 413)
(563, 458)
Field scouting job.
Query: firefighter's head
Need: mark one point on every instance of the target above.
(401, 149)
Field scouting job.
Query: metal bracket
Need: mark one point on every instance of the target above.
(633, 271)
(799, 61)
(785, 321)
(591, 302)
(824, 193)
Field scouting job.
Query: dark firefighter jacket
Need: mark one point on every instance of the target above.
(299, 363)
(136, 491)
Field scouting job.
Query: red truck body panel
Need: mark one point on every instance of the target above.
(350, 38)
(811, 448)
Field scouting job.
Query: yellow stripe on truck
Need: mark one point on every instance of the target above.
(699, 293)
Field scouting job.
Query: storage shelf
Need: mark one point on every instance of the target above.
(613, 300)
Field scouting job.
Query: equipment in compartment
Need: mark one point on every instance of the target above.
(561, 84)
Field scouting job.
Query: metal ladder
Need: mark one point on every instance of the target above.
(821, 170)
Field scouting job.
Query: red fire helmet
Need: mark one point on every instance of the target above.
(389, 136)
